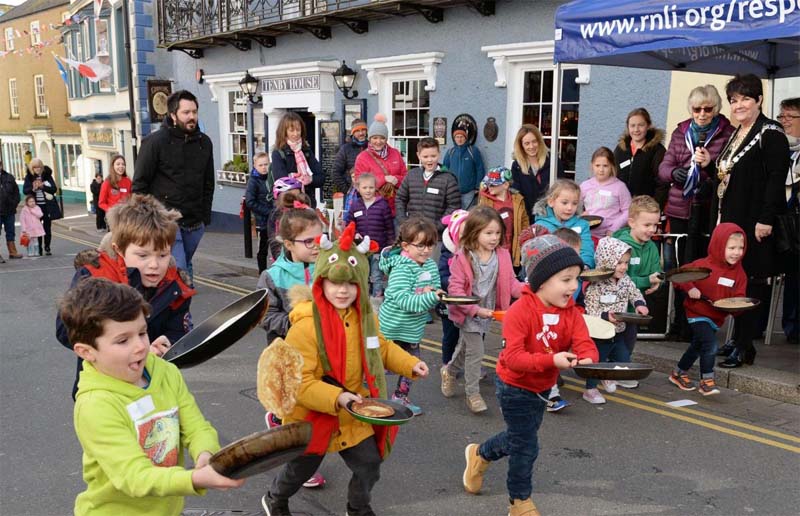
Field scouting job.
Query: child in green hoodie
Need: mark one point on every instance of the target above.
(133, 414)
(644, 268)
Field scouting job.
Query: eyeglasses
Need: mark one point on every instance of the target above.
(422, 247)
(310, 243)
(783, 117)
(704, 109)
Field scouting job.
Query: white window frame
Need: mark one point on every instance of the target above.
(35, 33)
(13, 97)
(411, 159)
(38, 94)
(511, 62)
(13, 150)
(71, 174)
(9, 37)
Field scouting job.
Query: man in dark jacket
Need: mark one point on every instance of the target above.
(346, 157)
(176, 166)
(9, 199)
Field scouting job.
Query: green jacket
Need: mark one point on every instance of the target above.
(404, 311)
(133, 441)
(645, 259)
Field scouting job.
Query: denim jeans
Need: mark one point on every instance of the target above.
(704, 346)
(7, 222)
(186, 242)
(522, 412)
(610, 350)
(376, 278)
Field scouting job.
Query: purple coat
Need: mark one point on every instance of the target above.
(376, 221)
(679, 156)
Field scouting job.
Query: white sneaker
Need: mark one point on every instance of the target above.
(610, 386)
(627, 384)
(593, 396)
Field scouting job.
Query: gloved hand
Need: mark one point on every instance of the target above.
(679, 175)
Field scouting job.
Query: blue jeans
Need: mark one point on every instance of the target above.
(468, 199)
(610, 350)
(7, 221)
(704, 346)
(186, 242)
(522, 412)
(376, 280)
(629, 336)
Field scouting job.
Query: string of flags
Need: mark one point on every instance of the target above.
(93, 69)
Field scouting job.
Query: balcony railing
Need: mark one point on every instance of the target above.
(191, 25)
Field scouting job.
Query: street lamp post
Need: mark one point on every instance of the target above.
(249, 86)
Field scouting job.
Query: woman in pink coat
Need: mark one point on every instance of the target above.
(382, 161)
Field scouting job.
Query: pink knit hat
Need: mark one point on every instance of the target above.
(453, 223)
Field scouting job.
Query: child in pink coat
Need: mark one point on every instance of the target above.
(605, 195)
(30, 221)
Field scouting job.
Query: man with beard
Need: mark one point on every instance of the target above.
(176, 166)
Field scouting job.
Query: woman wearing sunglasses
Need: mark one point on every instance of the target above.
(688, 167)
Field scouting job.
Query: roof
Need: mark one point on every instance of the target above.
(31, 7)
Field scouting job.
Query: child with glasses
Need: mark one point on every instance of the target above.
(413, 289)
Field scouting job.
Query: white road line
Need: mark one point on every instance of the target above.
(37, 270)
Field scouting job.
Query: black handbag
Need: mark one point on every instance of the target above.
(53, 210)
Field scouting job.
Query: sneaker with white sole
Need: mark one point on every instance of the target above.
(272, 420)
(273, 507)
(593, 396)
(627, 384)
(708, 387)
(476, 404)
(556, 404)
(403, 400)
(610, 386)
(448, 383)
(681, 381)
(316, 480)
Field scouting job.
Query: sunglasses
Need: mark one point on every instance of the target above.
(704, 109)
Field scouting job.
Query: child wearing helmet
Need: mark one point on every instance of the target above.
(496, 193)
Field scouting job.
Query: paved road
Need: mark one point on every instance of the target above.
(733, 454)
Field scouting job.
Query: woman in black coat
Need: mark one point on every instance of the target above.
(530, 170)
(39, 182)
(751, 170)
(290, 140)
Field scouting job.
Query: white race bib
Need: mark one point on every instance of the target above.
(608, 298)
(550, 319)
(577, 229)
(141, 407)
(604, 193)
(123, 190)
(636, 260)
(504, 215)
(358, 214)
(725, 282)
(425, 276)
(434, 191)
(624, 164)
(373, 343)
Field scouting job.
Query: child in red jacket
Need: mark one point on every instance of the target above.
(537, 332)
(727, 279)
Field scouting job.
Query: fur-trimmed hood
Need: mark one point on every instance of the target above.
(654, 137)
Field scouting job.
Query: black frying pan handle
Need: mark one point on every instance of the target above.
(330, 380)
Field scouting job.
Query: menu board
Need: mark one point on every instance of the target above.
(330, 139)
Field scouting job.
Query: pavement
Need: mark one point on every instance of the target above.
(776, 374)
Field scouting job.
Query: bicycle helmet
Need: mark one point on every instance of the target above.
(284, 184)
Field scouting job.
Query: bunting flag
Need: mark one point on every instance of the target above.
(92, 69)
(61, 70)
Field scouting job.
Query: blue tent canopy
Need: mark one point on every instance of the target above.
(722, 37)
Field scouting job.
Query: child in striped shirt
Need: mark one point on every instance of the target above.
(413, 289)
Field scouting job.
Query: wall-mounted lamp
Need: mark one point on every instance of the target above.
(249, 85)
(345, 77)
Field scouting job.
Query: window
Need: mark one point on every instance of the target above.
(119, 46)
(38, 90)
(14, 158)
(12, 97)
(410, 117)
(537, 109)
(69, 158)
(35, 33)
(9, 35)
(237, 126)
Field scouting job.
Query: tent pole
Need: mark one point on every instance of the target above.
(555, 124)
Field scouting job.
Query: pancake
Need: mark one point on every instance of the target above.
(372, 408)
(734, 303)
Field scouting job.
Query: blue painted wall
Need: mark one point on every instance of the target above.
(465, 79)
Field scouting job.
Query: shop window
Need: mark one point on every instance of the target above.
(237, 127)
(14, 158)
(38, 90)
(69, 158)
(35, 33)
(9, 37)
(537, 109)
(12, 98)
(410, 117)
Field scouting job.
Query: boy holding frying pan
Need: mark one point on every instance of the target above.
(142, 234)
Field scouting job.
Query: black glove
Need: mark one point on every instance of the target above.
(679, 175)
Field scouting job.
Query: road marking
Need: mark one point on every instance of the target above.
(37, 270)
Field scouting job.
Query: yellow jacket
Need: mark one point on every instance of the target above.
(321, 397)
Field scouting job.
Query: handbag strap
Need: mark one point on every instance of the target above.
(379, 162)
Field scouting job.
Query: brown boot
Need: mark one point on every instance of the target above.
(12, 251)
(523, 508)
(476, 467)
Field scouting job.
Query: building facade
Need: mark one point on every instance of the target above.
(34, 113)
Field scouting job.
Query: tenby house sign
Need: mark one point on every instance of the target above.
(295, 83)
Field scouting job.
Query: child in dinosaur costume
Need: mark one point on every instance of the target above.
(334, 329)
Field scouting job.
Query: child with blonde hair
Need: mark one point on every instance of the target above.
(561, 210)
(605, 195)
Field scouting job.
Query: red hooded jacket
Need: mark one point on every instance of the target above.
(529, 344)
(726, 280)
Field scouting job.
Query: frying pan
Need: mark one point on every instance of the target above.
(594, 275)
(686, 274)
(753, 304)
(402, 414)
(599, 328)
(632, 318)
(459, 300)
(199, 345)
(262, 451)
(593, 220)
(607, 371)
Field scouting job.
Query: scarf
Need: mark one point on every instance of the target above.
(380, 153)
(793, 177)
(360, 143)
(692, 139)
(304, 172)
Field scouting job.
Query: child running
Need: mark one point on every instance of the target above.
(561, 210)
(481, 267)
(496, 192)
(30, 221)
(413, 289)
(134, 415)
(538, 331)
(603, 299)
(604, 194)
(727, 279)
(335, 330)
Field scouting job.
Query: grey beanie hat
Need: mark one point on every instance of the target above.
(545, 256)
(378, 127)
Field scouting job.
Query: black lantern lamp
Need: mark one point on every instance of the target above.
(345, 77)
(249, 85)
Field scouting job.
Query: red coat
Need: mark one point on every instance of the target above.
(110, 196)
(526, 361)
(394, 164)
(725, 280)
